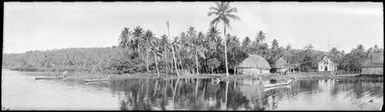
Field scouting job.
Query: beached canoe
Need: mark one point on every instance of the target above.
(95, 80)
(279, 84)
(47, 78)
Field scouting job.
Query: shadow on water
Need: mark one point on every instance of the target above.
(205, 94)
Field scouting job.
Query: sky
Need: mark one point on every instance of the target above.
(57, 25)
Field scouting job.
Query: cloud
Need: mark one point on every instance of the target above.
(249, 25)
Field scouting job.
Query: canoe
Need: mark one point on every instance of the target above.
(40, 78)
(95, 80)
(279, 84)
(277, 87)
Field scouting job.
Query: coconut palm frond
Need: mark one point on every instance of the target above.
(232, 10)
(215, 21)
(232, 16)
(225, 6)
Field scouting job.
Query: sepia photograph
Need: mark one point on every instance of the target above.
(216, 55)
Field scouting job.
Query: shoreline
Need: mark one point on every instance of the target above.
(222, 77)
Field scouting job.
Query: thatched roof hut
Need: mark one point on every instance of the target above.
(280, 63)
(255, 61)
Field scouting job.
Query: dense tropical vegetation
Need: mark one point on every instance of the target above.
(195, 52)
(192, 51)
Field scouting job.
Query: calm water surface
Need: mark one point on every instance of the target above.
(20, 91)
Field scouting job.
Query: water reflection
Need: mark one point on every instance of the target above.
(203, 94)
(190, 94)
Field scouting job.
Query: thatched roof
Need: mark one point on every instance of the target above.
(255, 61)
(280, 63)
(374, 60)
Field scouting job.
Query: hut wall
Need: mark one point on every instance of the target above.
(265, 71)
(378, 70)
(330, 67)
(252, 71)
(281, 70)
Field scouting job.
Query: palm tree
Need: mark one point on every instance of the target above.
(212, 38)
(172, 47)
(201, 49)
(155, 48)
(179, 49)
(260, 37)
(223, 13)
(212, 42)
(147, 38)
(137, 34)
(198, 49)
(182, 44)
(165, 49)
(125, 39)
(235, 52)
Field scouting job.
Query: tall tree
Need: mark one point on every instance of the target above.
(125, 39)
(213, 38)
(172, 47)
(223, 12)
(165, 46)
(260, 37)
(275, 52)
(199, 49)
(246, 42)
(155, 48)
(138, 34)
(236, 55)
(148, 36)
(336, 56)
(307, 60)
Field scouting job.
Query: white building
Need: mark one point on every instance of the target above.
(326, 64)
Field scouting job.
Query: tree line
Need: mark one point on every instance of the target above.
(212, 51)
(196, 52)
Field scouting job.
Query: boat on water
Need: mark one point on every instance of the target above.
(277, 87)
(95, 80)
(279, 84)
(47, 78)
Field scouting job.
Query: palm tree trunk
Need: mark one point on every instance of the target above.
(180, 64)
(235, 70)
(196, 60)
(156, 63)
(224, 35)
(173, 56)
(148, 70)
(139, 47)
(165, 58)
(227, 89)
(173, 51)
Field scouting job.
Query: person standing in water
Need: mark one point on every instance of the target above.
(65, 74)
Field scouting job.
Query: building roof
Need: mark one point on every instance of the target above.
(374, 60)
(255, 61)
(326, 60)
(280, 63)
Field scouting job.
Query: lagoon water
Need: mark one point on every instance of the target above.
(20, 91)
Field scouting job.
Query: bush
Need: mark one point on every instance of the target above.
(27, 68)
